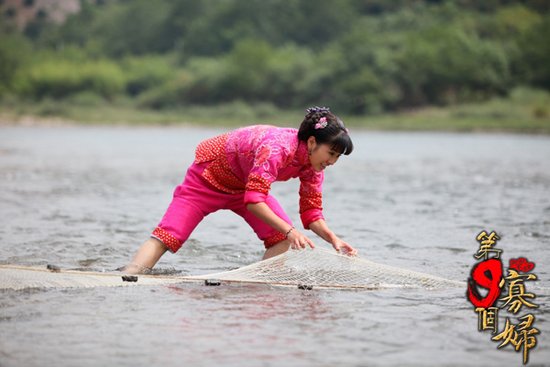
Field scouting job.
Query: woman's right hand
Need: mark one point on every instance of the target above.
(298, 240)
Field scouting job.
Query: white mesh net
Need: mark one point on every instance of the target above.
(327, 269)
(306, 268)
(22, 277)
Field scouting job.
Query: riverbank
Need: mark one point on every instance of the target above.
(527, 113)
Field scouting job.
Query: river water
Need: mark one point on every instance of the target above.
(86, 197)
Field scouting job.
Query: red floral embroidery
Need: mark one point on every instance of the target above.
(219, 174)
(275, 239)
(210, 149)
(169, 240)
(263, 155)
(310, 200)
(258, 183)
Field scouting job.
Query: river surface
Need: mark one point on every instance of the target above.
(86, 197)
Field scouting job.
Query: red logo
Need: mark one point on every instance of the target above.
(521, 264)
(486, 274)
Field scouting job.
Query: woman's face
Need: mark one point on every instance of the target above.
(322, 155)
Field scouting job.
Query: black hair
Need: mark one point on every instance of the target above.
(333, 132)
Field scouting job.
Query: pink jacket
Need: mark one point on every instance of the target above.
(249, 159)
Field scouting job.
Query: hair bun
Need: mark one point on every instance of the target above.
(315, 109)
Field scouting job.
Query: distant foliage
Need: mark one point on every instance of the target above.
(63, 78)
(14, 54)
(357, 56)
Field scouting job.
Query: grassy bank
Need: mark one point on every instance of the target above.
(524, 111)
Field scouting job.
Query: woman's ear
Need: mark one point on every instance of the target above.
(311, 143)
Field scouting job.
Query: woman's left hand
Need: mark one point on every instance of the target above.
(344, 247)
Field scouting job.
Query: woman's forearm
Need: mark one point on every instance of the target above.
(294, 237)
(262, 211)
(321, 229)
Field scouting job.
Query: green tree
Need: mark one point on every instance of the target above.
(535, 54)
(15, 52)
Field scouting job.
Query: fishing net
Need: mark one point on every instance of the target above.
(24, 277)
(307, 269)
(327, 269)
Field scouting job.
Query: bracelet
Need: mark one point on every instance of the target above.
(288, 232)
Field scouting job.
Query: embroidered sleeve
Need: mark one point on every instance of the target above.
(269, 157)
(210, 149)
(311, 197)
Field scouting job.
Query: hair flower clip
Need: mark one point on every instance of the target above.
(321, 124)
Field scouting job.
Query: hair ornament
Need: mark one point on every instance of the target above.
(321, 124)
(317, 109)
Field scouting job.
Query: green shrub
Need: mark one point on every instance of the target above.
(535, 54)
(448, 65)
(206, 83)
(236, 112)
(86, 99)
(255, 72)
(147, 72)
(14, 53)
(171, 93)
(62, 78)
(50, 108)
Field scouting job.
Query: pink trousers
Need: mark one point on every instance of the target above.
(195, 198)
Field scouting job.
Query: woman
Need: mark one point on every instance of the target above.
(235, 170)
